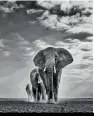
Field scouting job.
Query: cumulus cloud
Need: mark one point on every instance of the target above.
(30, 11)
(1, 43)
(47, 4)
(6, 10)
(32, 22)
(72, 24)
(65, 6)
(80, 29)
(41, 44)
(8, 6)
(85, 46)
(7, 53)
(89, 38)
(51, 21)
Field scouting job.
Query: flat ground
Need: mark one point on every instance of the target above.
(62, 107)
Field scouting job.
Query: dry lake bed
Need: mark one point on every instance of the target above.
(64, 106)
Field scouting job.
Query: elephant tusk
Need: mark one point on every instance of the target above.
(40, 80)
(44, 69)
(54, 69)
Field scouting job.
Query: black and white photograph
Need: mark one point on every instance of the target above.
(46, 56)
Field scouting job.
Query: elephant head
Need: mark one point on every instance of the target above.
(52, 60)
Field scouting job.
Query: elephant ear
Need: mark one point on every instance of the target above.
(64, 58)
(39, 60)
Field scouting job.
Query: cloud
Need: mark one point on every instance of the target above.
(41, 44)
(90, 39)
(52, 22)
(8, 7)
(7, 53)
(30, 11)
(81, 29)
(86, 46)
(6, 10)
(16, 53)
(32, 22)
(72, 24)
(1, 43)
(65, 6)
(47, 4)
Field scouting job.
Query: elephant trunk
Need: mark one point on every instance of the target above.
(49, 71)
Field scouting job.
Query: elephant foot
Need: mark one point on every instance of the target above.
(43, 101)
(51, 101)
(35, 101)
(56, 102)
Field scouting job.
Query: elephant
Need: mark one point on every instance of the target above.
(51, 61)
(29, 91)
(38, 88)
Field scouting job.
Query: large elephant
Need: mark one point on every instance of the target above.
(51, 61)
(38, 88)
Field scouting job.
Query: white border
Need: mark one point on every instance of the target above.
(93, 55)
(46, 0)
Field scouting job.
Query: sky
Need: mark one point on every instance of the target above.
(21, 39)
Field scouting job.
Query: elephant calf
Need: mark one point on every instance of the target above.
(29, 91)
(38, 88)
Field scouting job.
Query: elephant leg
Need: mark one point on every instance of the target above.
(44, 78)
(56, 82)
(44, 96)
(28, 98)
(39, 92)
(34, 93)
(31, 97)
(38, 97)
(50, 86)
(43, 92)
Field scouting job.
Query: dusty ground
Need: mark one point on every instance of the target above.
(64, 107)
